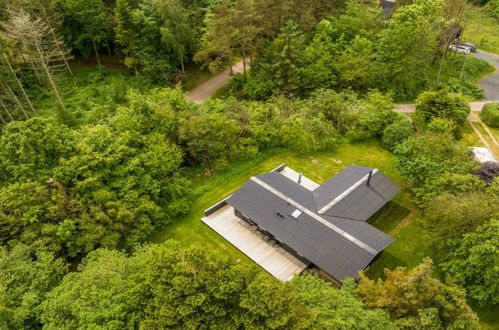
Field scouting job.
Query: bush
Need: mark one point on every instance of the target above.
(441, 104)
(397, 132)
(490, 114)
(488, 171)
(430, 155)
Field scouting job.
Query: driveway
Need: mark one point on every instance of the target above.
(490, 83)
(211, 86)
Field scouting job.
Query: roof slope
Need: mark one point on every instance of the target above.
(337, 245)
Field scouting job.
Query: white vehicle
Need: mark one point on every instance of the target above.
(460, 49)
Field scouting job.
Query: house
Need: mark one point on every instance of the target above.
(323, 225)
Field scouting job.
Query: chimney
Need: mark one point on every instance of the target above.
(369, 177)
(299, 178)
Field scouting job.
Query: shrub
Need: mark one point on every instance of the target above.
(490, 114)
(441, 104)
(397, 132)
(488, 171)
(430, 155)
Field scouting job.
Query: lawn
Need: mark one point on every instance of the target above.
(397, 219)
(481, 29)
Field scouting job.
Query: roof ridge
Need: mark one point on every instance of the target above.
(315, 216)
(347, 192)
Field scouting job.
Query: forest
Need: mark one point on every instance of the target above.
(104, 160)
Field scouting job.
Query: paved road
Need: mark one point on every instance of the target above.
(211, 86)
(490, 83)
(411, 107)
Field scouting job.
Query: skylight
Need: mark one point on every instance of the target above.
(296, 213)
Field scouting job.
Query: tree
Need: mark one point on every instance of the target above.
(287, 56)
(337, 308)
(490, 114)
(35, 36)
(220, 39)
(30, 150)
(447, 182)
(126, 32)
(397, 132)
(176, 31)
(473, 262)
(414, 299)
(441, 104)
(429, 155)
(188, 288)
(453, 215)
(95, 297)
(408, 46)
(25, 280)
(86, 25)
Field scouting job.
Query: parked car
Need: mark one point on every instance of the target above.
(471, 46)
(460, 49)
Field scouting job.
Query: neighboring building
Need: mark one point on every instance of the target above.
(388, 6)
(483, 155)
(323, 225)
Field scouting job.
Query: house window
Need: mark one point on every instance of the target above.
(296, 213)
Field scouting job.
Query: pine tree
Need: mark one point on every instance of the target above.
(288, 52)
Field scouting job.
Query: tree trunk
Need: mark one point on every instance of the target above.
(244, 65)
(14, 97)
(56, 41)
(109, 52)
(2, 120)
(50, 78)
(19, 84)
(6, 111)
(182, 64)
(231, 72)
(96, 52)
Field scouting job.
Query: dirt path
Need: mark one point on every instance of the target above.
(211, 86)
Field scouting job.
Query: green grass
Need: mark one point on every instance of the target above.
(469, 137)
(481, 29)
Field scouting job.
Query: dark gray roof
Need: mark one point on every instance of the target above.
(339, 246)
(388, 6)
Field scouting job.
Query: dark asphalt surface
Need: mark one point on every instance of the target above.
(490, 83)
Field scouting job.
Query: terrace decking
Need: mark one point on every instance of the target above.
(274, 259)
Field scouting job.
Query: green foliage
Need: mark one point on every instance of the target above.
(337, 308)
(25, 281)
(95, 297)
(416, 300)
(441, 104)
(100, 185)
(30, 149)
(167, 286)
(453, 215)
(490, 114)
(430, 155)
(447, 182)
(397, 132)
(473, 262)
(287, 54)
(85, 23)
